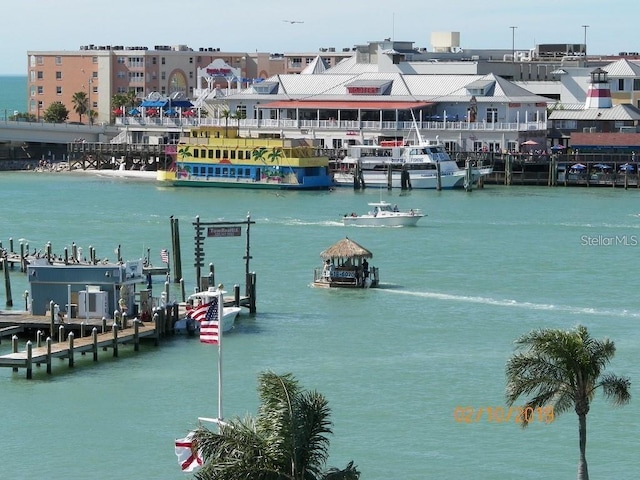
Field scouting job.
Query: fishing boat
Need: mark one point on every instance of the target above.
(424, 164)
(383, 214)
(345, 265)
(190, 326)
(219, 157)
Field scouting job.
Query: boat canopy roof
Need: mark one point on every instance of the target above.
(345, 248)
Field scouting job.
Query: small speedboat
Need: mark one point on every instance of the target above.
(190, 326)
(384, 214)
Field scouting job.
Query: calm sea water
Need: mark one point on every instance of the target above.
(13, 95)
(481, 269)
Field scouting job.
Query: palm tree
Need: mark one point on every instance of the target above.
(258, 153)
(275, 155)
(226, 114)
(564, 369)
(80, 103)
(287, 440)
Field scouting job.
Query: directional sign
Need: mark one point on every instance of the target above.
(223, 231)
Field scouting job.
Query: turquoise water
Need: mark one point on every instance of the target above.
(13, 95)
(481, 269)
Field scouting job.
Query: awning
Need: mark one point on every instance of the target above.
(153, 103)
(345, 105)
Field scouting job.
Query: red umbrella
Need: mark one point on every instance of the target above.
(188, 113)
(118, 111)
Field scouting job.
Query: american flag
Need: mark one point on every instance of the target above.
(208, 316)
(164, 255)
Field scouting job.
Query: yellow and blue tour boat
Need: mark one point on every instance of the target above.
(219, 157)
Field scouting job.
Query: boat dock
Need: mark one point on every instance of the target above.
(90, 335)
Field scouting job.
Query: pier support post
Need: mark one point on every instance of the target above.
(29, 360)
(94, 338)
(61, 334)
(52, 318)
(252, 293)
(236, 295)
(49, 355)
(136, 335)
(115, 339)
(438, 177)
(156, 322)
(14, 345)
(182, 291)
(7, 282)
(39, 335)
(71, 336)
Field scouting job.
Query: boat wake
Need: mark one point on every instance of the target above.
(516, 304)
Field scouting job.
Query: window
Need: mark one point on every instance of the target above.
(58, 75)
(636, 84)
(58, 60)
(121, 60)
(40, 74)
(621, 84)
(58, 90)
(163, 75)
(492, 115)
(40, 90)
(39, 60)
(94, 59)
(162, 61)
(190, 59)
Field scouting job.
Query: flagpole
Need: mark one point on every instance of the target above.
(220, 307)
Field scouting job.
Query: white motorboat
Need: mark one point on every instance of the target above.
(383, 214)
(399, 164)
(188, 325)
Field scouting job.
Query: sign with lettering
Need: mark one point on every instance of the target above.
(223, 232)
(363, 90)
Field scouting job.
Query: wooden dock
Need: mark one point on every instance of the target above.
(71, 340)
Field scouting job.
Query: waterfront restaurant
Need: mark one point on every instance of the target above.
(375, 95)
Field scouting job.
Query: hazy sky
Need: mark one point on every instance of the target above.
(250, 25)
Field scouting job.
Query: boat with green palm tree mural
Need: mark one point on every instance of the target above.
(219, 157)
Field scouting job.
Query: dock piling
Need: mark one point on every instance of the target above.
(71, 337)
(14, 348)
(115, 339)
(61, 334)
(29, 360)
(94, 338)
(49, 355)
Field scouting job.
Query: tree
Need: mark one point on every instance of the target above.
(258, 153)
(564, 369)
(80, 104)
(226, 114)
(56, 113)
(287, 440)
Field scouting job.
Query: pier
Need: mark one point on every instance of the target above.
(92, 335)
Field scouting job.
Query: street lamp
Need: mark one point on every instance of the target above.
(585, 39)
(513, 43)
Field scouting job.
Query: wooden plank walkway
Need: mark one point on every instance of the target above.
(111, 339)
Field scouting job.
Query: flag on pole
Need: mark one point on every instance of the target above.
(210, 324)
(164, 255)
(189, 456)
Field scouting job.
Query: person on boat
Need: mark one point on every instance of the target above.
(365, 268)
(395, 208)
(326, 271)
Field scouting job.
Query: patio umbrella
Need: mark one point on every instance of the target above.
(529, 142)
(134, 111)
(627, 167)
(602, 166)
(558, 147)
(118, 111)
(578, 166)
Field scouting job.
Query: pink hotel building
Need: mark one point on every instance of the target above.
(103, 71)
